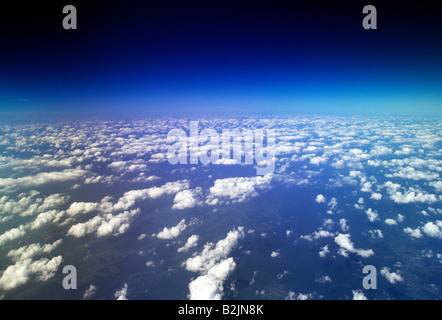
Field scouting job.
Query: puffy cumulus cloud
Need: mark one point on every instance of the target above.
(237, 189)
(32, 250)
(211, 253)
(45, 268)
(372, 215)
(320, 198)
(392, 277)
(376, 234)
(108, 221)
(376, 196)
(20, 273)
(391, 222)
(411, 173)
(380, 151)
(433, 230)
(343, 225)
(82, 208)
(13, 184)
(90, 292)
(404, 151)
(210, 285)
(436, 185)
(30, 203)
(414, 233)
(128, 199)
(116, 224)
(173, 232)
(12, 234)
(187, 199)
(358, 295)
(53, 216)
(318, 160)
(324, 251)
(408, 196)
(122, 293)
(214, 267)
(167, 189)
(333, 204)
(191, 242)
(275, 254)
(346, 245)
(104, 224)
(366, 186)
(317, 235)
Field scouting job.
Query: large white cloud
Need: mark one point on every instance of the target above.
(191, 242)
(12, 184)
(122, 293)
(433, 230)
(12, 234)
(210, 285)
(344, 241)
(173, 232)
(187, 199)
(392, 277)
(214, 267)
(320, 198)
(19, 273)
(237, 189)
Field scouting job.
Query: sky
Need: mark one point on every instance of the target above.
(142, 59)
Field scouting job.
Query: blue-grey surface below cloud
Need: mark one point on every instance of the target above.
(346, 192)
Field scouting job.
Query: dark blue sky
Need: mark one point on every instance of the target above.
(221, 57)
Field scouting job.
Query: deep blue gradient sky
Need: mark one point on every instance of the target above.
(221, 57)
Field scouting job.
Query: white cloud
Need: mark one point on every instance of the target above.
(344, 241)
(275, 254)
(376, 234)
(12, 234)
(32, 250)
(372, 215)
(237, 189)
(376, 196)
(107, 223)
(324, 251)
(332, 205)
(343, 224)
(414, 233)
(191, 242)
(90, 292)
(82, 208)
(186, 199)
(436, 185)
(210, 285)
(318, 160)
(121, 294)
(173, 232)
(433, 230)
(381, 150)
(392, 277)
(390, 222)
(104, 224)
(214, 267)
(358, 295)
(320, 198)
(11, 184)
(19, 273)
